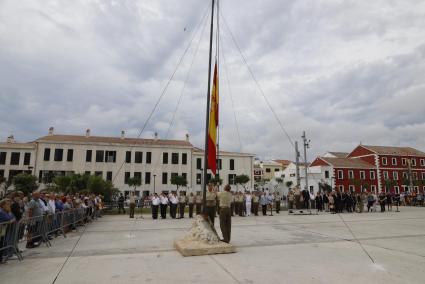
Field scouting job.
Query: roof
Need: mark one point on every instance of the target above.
(16, 145)
(391, 150)
(339, 154)
(114, 140)
(283, 162)
(347, 163)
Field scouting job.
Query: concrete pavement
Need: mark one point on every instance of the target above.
(280, 249)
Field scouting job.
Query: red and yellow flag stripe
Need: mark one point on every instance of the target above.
(212, 129)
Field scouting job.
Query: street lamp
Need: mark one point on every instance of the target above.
(154, 178)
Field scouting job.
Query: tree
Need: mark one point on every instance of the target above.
(62, 183)
(216, 180)
(25, 182)
(289, 184)
(241, 179)
(178, 181)
(325, 187)
(97, 185)
(135, 182)
(279, 180)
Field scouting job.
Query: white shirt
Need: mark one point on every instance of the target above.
(248, 198)
(43, 206)
(174, 199)
(51, 205)
(164, 200)
(155, 201)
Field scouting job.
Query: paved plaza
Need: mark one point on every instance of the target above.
(271, 249)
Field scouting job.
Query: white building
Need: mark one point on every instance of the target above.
(117, 159)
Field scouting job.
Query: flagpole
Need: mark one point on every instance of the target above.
(207, 115)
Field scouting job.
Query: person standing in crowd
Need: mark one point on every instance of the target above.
(155, 204)
(291, 199)
(277, 201)
(255, 201)
(164, 203)
(5, 236)
(225, 199)
(306, 199)
(16, 207)
(191, 202)
(382, 198)
(211, 200)
(121, 204)
(236, 197)
(370, 201)
(326, 201)
(270, 201)
(331, 200)
(359, 202)
(263, 202)
(389, 201)
(174, 202)
(35, 211)
(132, 204)
(319, 202)
(338, 202)
(198, 202)
(182, 204)
(248, 203)
(232, 204)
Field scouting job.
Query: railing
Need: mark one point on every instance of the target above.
(41, 229)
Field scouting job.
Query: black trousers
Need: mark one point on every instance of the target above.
(211, 213)
(232, 208)
(277, 207)
(190, 210)
(255, 208)
(181, 209)
(155, 211)
(198, 208)
(121, 207)
(163, 211)
(173, 210)
(264, 208)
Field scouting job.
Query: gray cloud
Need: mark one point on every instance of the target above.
(344, 71)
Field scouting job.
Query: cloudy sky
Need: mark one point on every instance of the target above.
(344, 71)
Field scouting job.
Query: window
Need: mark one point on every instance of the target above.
(351, 188)
(198, 178)
(147, 178)
(184, 159)
(326, 174)
(70, 155)
(396, 189)
(403, 161)
(232, 164)
(138, 157)
(14, 158)
(58, 155)
(372, 175)
(110, 156)
(373, 188)
(87, 173)
(2, 158)
(175, 158)
(109, 176)
(208, 178)
(384, 160)
(350, 174)
(414, 175)
(138, 175)
(413, 162)
(423, 175)
(27, 159)
(395, 175)
(164, 177)
(88, 155)
(340, 174)
(174, 175)
(362, 175)
(219, 164)
(148, 157)
(385, 174)
(394, 161)
(128, 157)
(126, 177)
(405, 175)
(268, 170)
(232, 178)
(198, 163)
(1, 173)
(422, 161)
(98, 173)
(47, 154)
(341, 188)
(276, 170)
(99, 156)
(164, 159)
(416, 188)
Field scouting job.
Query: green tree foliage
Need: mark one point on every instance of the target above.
(97, 185)
(325, 187)
(134, 182)
(241, 179)
(25, 182)
(279, 180)
(62, 183)
(216, 180)
(178, 181)
(288, 184)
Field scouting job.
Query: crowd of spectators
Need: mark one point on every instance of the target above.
(28, 212)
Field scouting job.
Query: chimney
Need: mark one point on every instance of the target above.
(122, 134)
(187, 137)
(10, 139)
(88, 133)
(51, 130)
(156, 136)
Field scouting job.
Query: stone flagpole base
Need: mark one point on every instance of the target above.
(202, 239)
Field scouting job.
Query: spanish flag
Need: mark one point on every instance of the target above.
(212, 130)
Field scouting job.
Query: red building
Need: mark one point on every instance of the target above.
(377, 168)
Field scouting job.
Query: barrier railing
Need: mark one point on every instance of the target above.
(40, 229)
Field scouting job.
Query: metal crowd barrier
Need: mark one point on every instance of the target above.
(41, 229)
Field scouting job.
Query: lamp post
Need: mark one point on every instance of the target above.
(154, 178)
